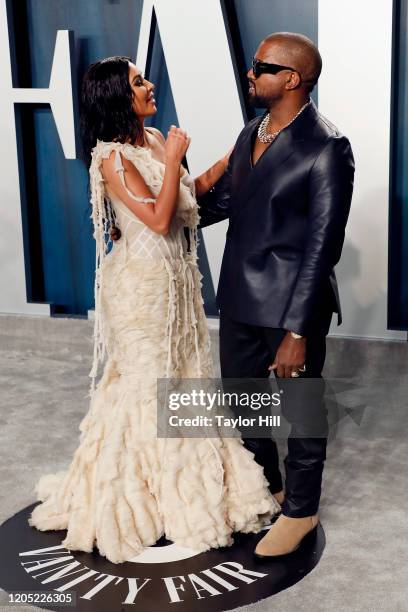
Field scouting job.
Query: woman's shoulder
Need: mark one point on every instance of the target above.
(103, 150)
(104, 145)
(157, 133)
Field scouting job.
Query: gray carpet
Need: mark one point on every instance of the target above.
(43, 373)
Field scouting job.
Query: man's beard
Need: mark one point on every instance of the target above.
(260, 101)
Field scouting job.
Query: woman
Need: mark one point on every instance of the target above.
(125, 488)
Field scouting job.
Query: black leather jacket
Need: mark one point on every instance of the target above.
(287, 218)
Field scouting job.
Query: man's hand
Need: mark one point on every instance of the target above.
(290, 356)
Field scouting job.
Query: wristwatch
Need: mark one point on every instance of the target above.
(296, 336)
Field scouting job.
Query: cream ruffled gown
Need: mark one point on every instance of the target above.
(125, 487)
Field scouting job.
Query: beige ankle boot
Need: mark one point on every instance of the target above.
(285, 536)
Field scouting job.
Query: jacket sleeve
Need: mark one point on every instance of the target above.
(215, 204)
(330, 190)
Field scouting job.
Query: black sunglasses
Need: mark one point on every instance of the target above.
(259, 68)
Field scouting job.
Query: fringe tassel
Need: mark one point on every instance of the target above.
(102, 217)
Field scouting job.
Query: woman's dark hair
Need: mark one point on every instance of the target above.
(106, 105)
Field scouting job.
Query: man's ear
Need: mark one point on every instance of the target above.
(293, 80)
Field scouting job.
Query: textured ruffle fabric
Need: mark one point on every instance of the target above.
(125, 487)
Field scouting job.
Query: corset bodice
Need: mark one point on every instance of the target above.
(141, 241)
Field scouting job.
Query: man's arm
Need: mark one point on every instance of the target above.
(331, 188)
(215, 204)
(207, 180)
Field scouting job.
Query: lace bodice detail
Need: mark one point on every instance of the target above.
(138, 240)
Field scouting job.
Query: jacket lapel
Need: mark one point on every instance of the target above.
(249, 178)
(242, 175)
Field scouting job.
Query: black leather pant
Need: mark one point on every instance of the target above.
(246, 351)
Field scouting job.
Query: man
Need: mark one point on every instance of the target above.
(287, 193)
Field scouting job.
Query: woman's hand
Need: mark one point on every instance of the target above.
(176, 145)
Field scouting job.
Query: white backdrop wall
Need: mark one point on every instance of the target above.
(355, 40)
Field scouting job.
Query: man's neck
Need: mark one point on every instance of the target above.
(283, 112)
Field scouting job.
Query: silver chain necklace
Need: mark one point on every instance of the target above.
(267, 137)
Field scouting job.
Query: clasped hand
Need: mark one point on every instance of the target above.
(176, 145)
